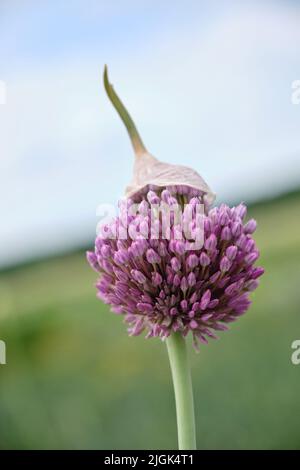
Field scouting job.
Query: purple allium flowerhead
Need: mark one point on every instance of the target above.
(160, 285)
(160, 281)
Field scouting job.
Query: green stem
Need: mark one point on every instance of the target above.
(135, 138)
(182, 381)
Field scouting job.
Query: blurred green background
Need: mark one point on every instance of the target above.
(74, 379)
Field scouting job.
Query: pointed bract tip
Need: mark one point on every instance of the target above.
(135, 138)
(105, 78)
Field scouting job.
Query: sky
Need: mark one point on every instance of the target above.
(208, 83)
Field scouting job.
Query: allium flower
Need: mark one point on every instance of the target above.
(171, 265)
(161, 286)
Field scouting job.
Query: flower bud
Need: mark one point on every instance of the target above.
(152, 256)
(250, 226)
(225, 264)
(205, 299)
(175, 263)
(241, 210)
(192, 261)
(121, 256)
(138, 276)
(156, 279)
(176, 280)
(211, 242)
(226, 234)
(231, 252)
(184, 284)
(252, 257)
(191, 279)
(204, 259)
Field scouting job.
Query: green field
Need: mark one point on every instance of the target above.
(74, 379)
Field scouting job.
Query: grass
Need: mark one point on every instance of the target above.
(74, 379)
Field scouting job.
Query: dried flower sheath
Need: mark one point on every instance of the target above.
(149, 172)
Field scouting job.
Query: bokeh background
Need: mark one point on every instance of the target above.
(210, 85)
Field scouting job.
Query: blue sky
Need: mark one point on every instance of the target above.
(208, 84)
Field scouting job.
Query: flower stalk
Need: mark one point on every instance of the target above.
(182, 382)
(134, 135)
